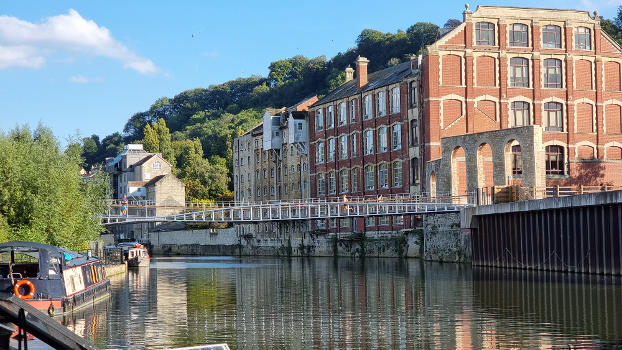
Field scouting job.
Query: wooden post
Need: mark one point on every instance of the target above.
(581, 189)
(556, 190)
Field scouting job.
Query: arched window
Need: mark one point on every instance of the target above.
(320, 184)
(319, 154)
(381, 103)
(343, 147)
(553, 120)
(369, 177)
(353, 111)
(552, 73)
(484, 33)
(395, 100)
(383, 176)
(551, 37)
(369, 142)
(397, 174)
(156, 165)
(518, 35)
(331, 149)
(355, 179)
(583, 38)
(367, 107)
(332, 189)
(554, 157)
(342, 114)
(519, 72)
(520, 114)
(382, 139)
(319, 120)
(343, 181)
(330, 118)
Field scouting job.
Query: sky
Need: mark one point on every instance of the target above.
(84, 67)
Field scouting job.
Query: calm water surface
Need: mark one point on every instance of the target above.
(325, 303)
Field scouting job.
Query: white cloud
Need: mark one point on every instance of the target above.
(25, 44)
(79, 79)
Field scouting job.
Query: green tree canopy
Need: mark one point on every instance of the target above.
(42, 195)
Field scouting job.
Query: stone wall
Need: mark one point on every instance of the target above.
(443, 239)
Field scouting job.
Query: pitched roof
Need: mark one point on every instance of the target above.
(153, 181)
(375, 80)
(143, 161)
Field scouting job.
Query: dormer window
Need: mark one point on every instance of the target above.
(156, 166)
(485, 33)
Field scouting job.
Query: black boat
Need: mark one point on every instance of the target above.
(52, 279)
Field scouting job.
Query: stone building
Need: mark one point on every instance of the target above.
(522, 95)
(271, 162)
(364, 139)
(140, 175)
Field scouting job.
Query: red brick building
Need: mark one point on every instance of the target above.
(508, 67)
(360, 144)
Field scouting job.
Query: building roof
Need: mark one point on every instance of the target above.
(375, 80)
(153, 181)
(143, 161)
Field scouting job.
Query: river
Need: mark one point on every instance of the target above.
(326, 303)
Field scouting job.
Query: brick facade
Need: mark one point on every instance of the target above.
(506, 67)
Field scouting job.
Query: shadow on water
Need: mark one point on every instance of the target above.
(327, 303)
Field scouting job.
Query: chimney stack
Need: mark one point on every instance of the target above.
(361, 71)
(414, 63)
(349, 74)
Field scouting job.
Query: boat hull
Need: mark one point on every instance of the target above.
(138, 262)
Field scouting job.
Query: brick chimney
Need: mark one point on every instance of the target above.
(349, 74)
(361, 71)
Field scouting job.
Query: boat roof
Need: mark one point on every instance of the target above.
(76, 258)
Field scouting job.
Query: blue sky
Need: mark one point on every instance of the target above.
(84, 67)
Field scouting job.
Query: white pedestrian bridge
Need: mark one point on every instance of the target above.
(286, 210)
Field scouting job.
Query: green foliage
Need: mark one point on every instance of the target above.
(613, 27)
(157, 139)
(42, 195)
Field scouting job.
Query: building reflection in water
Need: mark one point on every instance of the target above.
(325, 303)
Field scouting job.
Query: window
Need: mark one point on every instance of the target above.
(552, 37)
(272, 173)
(395, 100)
(265, 174)
(553, 116)
(285, 171)
(272, 190)
(414, 133)
(319, 120)
(398, 220)
(257, 174)
(342, 114)
(354, 149)
(382, 139)
(552, 73)
(265, 191)
(242, 178)
(241, 161)
(517, 160)
(554, 156)
(343, 147)
(330, 118)
(370, 221)
(518, 35)
(353, 111)
(319, 152)
(369, 142)
(484, 33)
(396, 137)
(519, 72)
(520, 114)
(343, 181)
(383, 176)
(397, 174)
(355, 179)
(321, 223)
(383, 221)
(320, 184)
(413, 94)
(156, 166)
(331, 149)
(344, 222)
(414, 171)
(381, 104)
(367, 107)
(583, 39)
(369, 177)
(332, 223)
(258, 192)
(332, 189)
(292, 169)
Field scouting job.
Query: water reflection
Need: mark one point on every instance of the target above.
(324, 303)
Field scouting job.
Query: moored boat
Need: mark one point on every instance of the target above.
(137, 256)
(51, 279)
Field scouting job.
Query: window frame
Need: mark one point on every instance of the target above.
(330, 117)
(558, 116)
(554, 32)
(343, 182)
(524, 110)
(517, 159)
(489, 32)
(370, 174)
(382, 140)
(383, 176)
(549, 78)
(519, 64)
(368, 142)
(331, 150)
(367, 107)
(583, 41)
(397, 174)
(559, 160)
(523, 32)
(342, 114)
(381, 103)
(343, 147)
(395, 100)
(319, 119)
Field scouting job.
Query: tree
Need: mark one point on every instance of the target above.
(422, 34)
(157, 139)
(42, 195)
(452, 23)
(613, 28)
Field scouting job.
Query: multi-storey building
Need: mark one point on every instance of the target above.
(271, 161)
(522, 95)
(364, 142)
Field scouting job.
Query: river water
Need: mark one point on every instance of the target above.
(326, 303)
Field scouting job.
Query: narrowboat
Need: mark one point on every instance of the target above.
(52, 279)
(137, 256)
